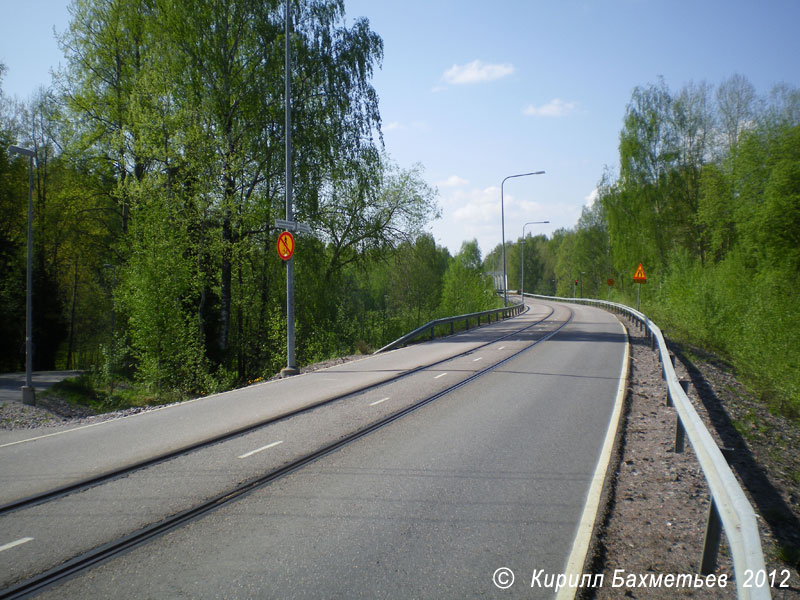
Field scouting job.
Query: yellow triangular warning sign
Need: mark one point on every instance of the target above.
(639, 276)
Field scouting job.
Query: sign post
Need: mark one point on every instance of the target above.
(291, 365)
(640, 278)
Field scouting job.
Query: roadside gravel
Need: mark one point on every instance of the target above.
(51, 411)
(657, 500)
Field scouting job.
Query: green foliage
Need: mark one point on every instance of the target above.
(161, 155)
(92, 390)
(722, 224)
(159, 288)
(465, 288)
(707, 197)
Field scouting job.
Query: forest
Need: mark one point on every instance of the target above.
(160, 155)
(160, 173)
(707, 198)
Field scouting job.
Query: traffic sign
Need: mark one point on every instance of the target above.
(639, 276)
(610, 283)
(285, 245)
(292, 226)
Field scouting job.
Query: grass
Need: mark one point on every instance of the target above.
(91, 391)
(789, 555)
(746, 425)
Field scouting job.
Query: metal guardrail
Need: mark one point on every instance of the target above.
(498, 313)
(729, 505)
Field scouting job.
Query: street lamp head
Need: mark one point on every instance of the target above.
(23, 151)
(520, 175)
(503, 230)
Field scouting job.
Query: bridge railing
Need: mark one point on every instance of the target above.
(430, 327)
(729, 509)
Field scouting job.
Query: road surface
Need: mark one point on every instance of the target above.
(493, 474)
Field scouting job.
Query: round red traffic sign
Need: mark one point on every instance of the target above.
(285, 245)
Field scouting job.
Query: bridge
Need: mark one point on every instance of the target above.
(468, 465)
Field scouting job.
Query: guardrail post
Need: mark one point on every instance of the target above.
(708, 563)
(669, 401)
(680, 435)
(452, 329)
(432, 328)
(680, 432)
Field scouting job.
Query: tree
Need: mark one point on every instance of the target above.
(416, 278)
(736, 103)
(13, 218)
(158, 293)
(107, 47)
(183, 102)
(647, 152)
(465, 288)
(357, 218)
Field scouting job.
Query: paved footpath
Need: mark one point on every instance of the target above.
(10, 383)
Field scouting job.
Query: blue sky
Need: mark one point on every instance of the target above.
(476, 91)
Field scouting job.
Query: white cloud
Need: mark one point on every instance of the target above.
(474, 205)
(590, 199)
(452, 181)
(471, 212)
(392, 126)
(555, 108)
(476, 72)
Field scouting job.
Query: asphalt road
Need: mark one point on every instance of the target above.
(37, 461)
(494, 474)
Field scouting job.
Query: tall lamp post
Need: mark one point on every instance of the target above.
(522, 256)
(503, 230)
(28, 391)
(291, 363)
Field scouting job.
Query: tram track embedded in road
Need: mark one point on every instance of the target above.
(106, 551)
(84, 484)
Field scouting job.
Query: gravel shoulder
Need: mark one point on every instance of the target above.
(53, 412)
(657, 500)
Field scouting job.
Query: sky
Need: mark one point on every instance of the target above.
(477, 91)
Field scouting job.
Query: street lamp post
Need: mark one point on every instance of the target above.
(28, 391)
(503, 230)
(522, 256)
(291, 363)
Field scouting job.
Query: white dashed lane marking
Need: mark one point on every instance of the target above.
(257, 450)
(16, 543)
